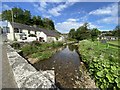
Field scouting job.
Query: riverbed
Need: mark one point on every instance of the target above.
(70, 72)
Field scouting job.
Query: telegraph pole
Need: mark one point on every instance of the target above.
(13, 25)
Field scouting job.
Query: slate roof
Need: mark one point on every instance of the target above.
(27, 27)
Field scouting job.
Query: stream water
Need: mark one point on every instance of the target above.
(66, 64)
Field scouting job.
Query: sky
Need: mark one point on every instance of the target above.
(68, 15)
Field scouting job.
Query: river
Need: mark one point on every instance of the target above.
(66, 64)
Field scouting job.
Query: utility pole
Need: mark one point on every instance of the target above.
(13, 25)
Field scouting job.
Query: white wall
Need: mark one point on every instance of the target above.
(32, 32)
(37, 34)
(42, 34)
(51, 39)
(25, 31)
(10, 35)
(61, 38)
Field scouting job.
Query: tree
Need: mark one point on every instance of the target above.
(116, 31)
(24, 17)
(27, 17)
(6, 15)
(94, 33)
(83, 32)
(72, 33)
(48, 24)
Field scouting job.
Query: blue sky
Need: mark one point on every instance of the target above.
(67, 15)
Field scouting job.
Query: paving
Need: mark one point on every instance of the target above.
(8, 80)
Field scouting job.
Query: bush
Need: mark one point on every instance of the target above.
(56, 44)
(16, 45)
(36, 43)
(28, 49)
(31, 35)
(42, 55)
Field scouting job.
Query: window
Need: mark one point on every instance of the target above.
(28, 31)
(20, 31)
(16, 30)
(35, 32)
(6, 30)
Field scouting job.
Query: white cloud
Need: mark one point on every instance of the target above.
(41, 6)
(109, 20)
(46, 16)
(5, 7)
(70, 23)
(91, 25)
(72, 20)
(65, 26)
(111, 9)
(60, 0)
(56, 10)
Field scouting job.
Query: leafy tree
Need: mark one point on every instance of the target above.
(27, 17)
(6, 15)
(72, 33)
(83, 32)
(94, 33)
(37, 21)
(24, 17)
(48, 24)
(116, 31)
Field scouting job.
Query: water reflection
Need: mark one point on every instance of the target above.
(66, 65)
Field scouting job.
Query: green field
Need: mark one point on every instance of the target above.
(114, 42)
(103, 63)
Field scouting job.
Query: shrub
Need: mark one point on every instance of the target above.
(16, 45)
(31, 35)
(42, 55)
(28, 49)
(36, 43)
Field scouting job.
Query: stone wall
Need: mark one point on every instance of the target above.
(26, 75)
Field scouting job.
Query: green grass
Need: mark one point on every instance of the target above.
(114, 42)
(103, 63)
(42, 55)
(40, 51)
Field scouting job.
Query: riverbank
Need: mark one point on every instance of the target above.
(36, 51)
(102, 62)
(69, 71)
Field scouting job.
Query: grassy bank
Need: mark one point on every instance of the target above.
(38, 51)
(114, 42)
(103, 63)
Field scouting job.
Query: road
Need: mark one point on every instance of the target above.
(8, 80)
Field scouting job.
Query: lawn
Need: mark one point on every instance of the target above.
(116, 42)
(103, 63)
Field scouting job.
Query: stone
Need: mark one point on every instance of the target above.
(26, 76)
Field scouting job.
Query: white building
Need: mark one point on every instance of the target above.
(19, 32)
